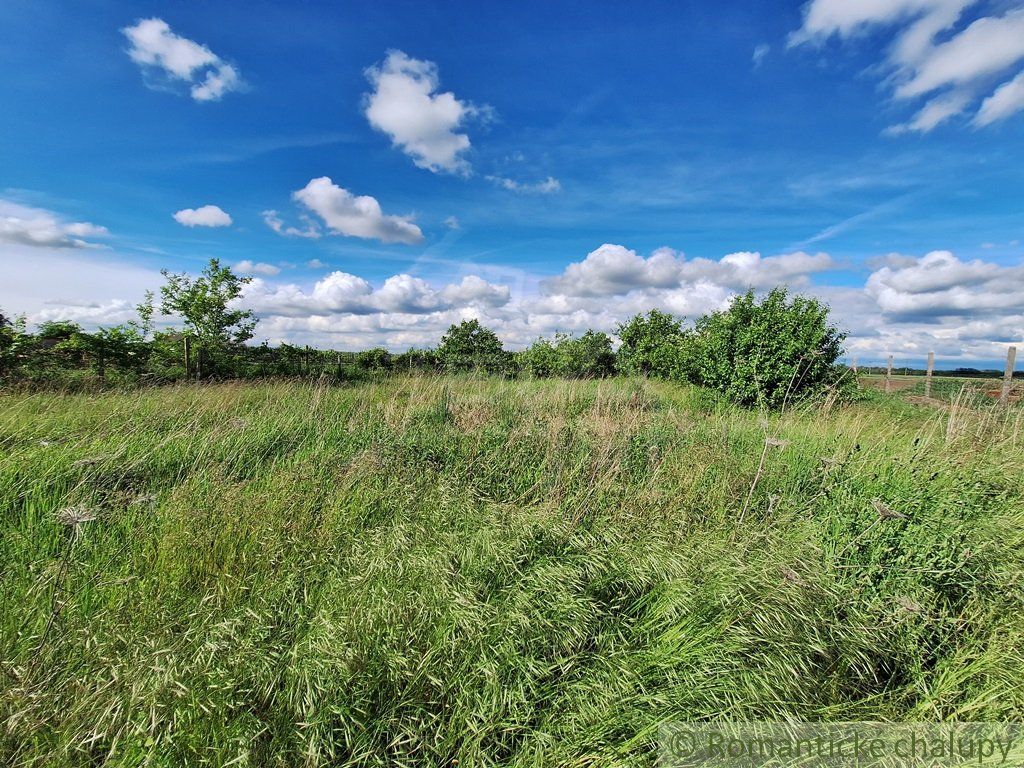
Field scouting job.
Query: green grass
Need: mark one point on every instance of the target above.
(425, 570)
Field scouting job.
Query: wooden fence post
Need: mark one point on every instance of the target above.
(1011, 358)
(888, 376)
(928, 375)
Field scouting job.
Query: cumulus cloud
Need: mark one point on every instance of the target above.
(451, 222)
(39, 227)
(162, 53)
(341, 293)
(930, 56)
(546, 186)
(420, 121)
(346, 214)
(939, 285)
(615, 270)
(256, 267)
(206, 216)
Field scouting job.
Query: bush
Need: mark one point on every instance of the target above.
(766, 353)
(469, 346)
(376, 359)
(651, 345)
(539, 359)
(584, 357)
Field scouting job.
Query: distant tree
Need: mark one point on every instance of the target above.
(376, 359)
(416, 359)
(470, 346)
(586, 356)
(651, 345)
(539, 359)
(205, 304)
(765, 353)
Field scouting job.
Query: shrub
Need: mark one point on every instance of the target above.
(469, 346)
(765, 353)
(578, 357)
(539, 359)
(651, 345)
(376, 359)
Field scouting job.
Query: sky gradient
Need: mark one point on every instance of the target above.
(385, 171)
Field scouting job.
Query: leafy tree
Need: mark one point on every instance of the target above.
(13, 343)
(765, 353)
(205, 304)
(376, 359)
(416, 359)
(651, 345)
(469, 346)
(586, 356)
(539, 359)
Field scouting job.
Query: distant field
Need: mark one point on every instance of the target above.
(945, 387)
(442, 571)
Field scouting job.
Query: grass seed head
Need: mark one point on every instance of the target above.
(884, 510)
(75, 515)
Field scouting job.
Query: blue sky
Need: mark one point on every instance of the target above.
(545, 167)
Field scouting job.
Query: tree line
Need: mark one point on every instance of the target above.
(757, 352)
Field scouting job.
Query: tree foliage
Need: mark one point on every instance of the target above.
(205, 304)
(764, 353)
(586, 356)
(469, 346)
(651, 345)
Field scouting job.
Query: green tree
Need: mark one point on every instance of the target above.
(765, 353)
(539, 359)
(470, 346)
(376, 359)
(651, 345)
(206, 304)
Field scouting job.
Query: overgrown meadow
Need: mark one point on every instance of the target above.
(433, 570)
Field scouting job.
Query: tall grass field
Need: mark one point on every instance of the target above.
(448, 571)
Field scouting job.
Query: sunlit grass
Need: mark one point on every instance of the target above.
(423, 570)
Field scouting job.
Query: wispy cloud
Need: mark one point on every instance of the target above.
(163, 54)
(930, 57)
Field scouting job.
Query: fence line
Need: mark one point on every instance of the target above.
(1004, 391)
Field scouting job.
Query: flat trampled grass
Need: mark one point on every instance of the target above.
(419, 571)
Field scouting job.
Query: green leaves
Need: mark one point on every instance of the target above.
(765, 354)
(469, 346)
(204, 303)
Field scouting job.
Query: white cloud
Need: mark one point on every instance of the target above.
(315, 264)
(423, 123)
(343, 293)
(206, 216)
(39, 227)
(273, 220)
(939, 285)
(451, 222)
(260, 268)
(1007, 99)
(546, 186)
(760, 52)
(616, 270)
(354, 216)
(955, 68)
(159, 51)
